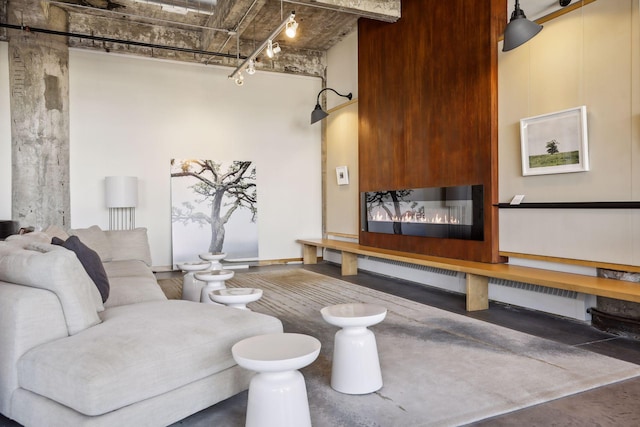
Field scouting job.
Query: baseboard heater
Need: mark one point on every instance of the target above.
(550, 300)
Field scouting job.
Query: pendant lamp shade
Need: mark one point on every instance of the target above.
(519, 29)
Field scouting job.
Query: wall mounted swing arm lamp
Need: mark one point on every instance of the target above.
(318, 113)
(519, 29)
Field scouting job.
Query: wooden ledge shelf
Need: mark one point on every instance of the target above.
(477, 273)
(571, 205)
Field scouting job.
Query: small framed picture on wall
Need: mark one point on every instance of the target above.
(555, 142)
(342, 175)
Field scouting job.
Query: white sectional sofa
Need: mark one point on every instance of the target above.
(137, 359)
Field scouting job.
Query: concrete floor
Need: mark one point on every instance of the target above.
(612, 405)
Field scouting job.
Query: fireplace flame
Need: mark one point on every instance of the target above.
(415, 217)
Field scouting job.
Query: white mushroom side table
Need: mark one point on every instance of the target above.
(355, 367)
(214, 258)
(215, 280)
(236, 297)
(278, 392)
(191, 288)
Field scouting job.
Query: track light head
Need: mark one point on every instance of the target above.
(292, 28)
(240, 79)
(251, 68)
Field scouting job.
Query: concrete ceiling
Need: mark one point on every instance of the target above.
(218, 31)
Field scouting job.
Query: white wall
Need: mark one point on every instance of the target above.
(5, 135)
(131, 116)
(586, 57)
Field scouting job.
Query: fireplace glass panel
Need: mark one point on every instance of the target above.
(445, 212)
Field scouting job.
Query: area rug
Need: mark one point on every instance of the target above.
(439, 368)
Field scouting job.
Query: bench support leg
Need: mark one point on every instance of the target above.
(477, 292)
(310, 254)
(349, 264)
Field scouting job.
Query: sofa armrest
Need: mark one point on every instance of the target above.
(28, 317)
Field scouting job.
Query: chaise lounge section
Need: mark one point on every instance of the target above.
(136, 359)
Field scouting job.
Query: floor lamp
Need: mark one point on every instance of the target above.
(121, 195)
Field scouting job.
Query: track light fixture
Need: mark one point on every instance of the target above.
(251, 68)
(318, 113)
(292, 28)
(519, 29)
(239, 79)
(273, 49)
(270, 47)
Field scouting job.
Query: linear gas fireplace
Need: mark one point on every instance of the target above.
(444, 212)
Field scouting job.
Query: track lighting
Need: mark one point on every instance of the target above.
(270, 47)
(519, 29)
(292, 28)
(318, 113)
(251, 68)
(273, 49)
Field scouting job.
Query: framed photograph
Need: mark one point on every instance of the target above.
(342, 175)
(555, 142)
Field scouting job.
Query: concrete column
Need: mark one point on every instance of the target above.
(39, 101)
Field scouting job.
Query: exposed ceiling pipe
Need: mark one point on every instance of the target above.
(118, 41)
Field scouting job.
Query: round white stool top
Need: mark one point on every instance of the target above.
(214, 275)
(354, 315)
(232, 295)
(194, 266)
(276, 352)
(213, 256)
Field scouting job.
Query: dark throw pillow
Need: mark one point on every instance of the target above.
(90, 260)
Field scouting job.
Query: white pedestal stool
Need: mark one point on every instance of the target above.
(236, 297)
(356, 367)
(214, 258)
(215, 280)
(277, 393)
(191, 287)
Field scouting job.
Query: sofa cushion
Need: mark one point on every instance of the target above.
(128, 269)
(60, 272)
(96, 239)
(129, 245)
(90, 260)
(133, 290)
(139, 351)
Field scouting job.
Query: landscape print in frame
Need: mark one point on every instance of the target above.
(555, 142)
(214, 208)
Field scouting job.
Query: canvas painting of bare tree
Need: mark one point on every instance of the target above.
(214, 208)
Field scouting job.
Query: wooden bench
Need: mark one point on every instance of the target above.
(477, 273)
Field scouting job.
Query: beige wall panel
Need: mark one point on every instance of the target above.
(589, 57)
(342, 150)
(586, 234)
(635, 114)
(556, 65)
(608, 81)
(513, 103)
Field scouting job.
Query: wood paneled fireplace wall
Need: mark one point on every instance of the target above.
(428, 112)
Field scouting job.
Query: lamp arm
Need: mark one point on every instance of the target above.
(349, 95)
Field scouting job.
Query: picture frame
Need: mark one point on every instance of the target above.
(342, 175)
(555, 142)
